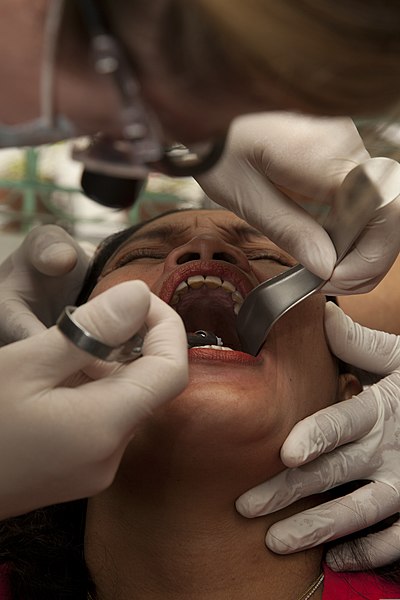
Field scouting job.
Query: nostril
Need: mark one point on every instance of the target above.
(225, 257)
(188, 257)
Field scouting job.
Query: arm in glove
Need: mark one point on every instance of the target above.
(37, 280)
(273, 161)
(353, 440)
(59, 443)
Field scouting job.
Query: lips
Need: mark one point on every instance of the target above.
(235, 357)
(208, 295)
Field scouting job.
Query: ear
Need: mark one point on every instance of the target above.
(348, 386)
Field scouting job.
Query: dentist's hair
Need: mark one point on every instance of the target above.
(328, 56)
(338, 56)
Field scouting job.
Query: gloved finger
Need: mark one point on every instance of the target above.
(290, 227)
(290, 152)
(365, 348)
(52, 251)
(356, 511)
(287, 149)
(165, 337)
(271, 151)
(261, 204)
(379, 244)
(138, 387)
(17, 321)
(112, 317)
(323, 473)
(108, 410)
(31, 293)
(331, 427)
(380, 549)
(371, 258)
(278, 492)
(88, 426)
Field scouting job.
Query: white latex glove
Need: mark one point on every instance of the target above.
(355, 439)
(37, 280)
(273, 160)
(59, 443)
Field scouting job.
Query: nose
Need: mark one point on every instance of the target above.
(207, 247)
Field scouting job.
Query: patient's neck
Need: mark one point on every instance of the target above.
(169, 530)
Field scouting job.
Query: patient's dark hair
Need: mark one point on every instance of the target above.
(43, 551)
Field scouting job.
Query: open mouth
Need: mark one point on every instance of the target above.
(208, 296)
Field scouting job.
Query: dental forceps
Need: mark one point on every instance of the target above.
(270, 300)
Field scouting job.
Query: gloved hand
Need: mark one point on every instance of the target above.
(59, 443)
(355, 439)
(37, 280)
(274, 160)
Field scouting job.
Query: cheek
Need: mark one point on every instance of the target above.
(149, 275)
(308, 376)
(265, 270)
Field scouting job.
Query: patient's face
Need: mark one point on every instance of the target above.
(203, 263)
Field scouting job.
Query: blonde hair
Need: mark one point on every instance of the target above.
(334, 56)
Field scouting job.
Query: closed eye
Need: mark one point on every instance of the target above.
(277, 258)
(148, 253)
(156, 254)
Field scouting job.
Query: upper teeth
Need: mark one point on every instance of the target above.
(212, 282)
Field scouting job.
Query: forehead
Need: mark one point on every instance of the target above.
(196, 221)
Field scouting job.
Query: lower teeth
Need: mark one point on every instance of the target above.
(216, 347)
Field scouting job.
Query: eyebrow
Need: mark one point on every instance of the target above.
(246, 230)
(162, 232)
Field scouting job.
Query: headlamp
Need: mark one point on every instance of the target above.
(114, 169)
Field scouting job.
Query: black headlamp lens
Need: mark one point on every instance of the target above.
(115, 192)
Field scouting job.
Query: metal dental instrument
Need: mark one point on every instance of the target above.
(127, 352)
(78, 335)
(116, 168)
(269, 301)
(203, 338)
